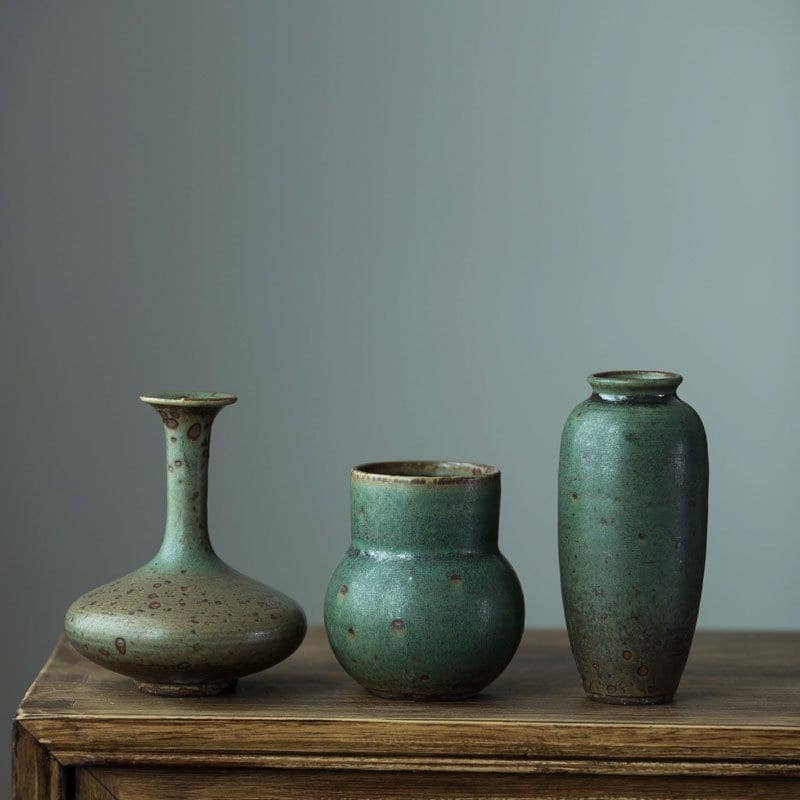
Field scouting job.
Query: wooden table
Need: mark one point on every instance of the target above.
(305, 730)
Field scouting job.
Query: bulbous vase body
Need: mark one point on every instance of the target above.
(632, 511)
(423, 605)
(186, 623)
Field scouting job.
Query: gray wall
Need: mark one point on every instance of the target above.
(395, 230)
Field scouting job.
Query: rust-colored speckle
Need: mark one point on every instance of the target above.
(574, 496)
(611, 688)
(171, 422)
(455, 579)
(343, 590)
(397, 626)
(155, 604)
(179, 463)
(156, 585)
(596, 665)
(627, 655)
(194, 431)
(152, 596)
(641, 537)
(424, 678)
(120, 644)
(643, 670)
(351, 633)
(103, 651)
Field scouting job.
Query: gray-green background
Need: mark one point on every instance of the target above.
(395, 230)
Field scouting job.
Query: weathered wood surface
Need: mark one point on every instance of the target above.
(234, 784)
(36, 774)
(739, 700)
(305, 729)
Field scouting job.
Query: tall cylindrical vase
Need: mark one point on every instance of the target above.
(632, 511)
(186, 623)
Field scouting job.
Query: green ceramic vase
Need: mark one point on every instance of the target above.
(186, 623)
(632, 511)
(424, 606)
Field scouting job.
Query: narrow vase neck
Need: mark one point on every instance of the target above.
(187, 420)
(187, 434)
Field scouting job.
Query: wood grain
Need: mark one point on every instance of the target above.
(233, 784)
(738, 708)
(89, 787)
(731, 679)
(36, 774)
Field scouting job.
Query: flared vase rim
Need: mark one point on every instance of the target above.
(188, 399)
(423, 472)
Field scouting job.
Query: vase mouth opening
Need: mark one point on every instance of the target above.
(424, 472)
(634, 382)
(189, 399)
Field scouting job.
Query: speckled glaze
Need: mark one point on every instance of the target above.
(632, 511)
(186, 623)
(424, 606)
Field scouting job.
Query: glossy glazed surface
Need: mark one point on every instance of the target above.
(424, 605)
(632, 512)
(186, 623)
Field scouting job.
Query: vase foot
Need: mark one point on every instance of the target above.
(622, 700)
(422, 698)
(210, 689)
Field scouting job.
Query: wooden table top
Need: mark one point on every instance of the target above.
(738, 704)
